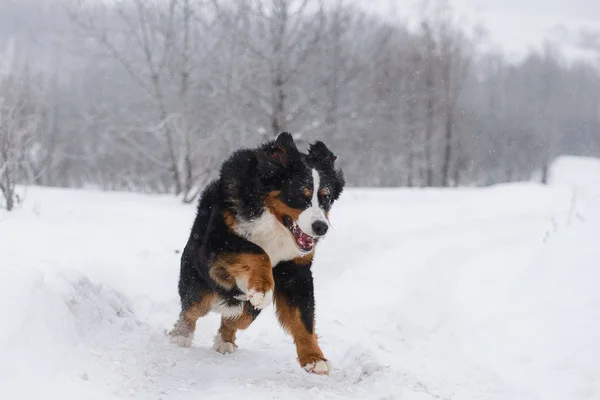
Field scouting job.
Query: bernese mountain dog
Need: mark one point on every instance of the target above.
(253, 242)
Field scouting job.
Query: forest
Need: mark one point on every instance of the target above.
(152, 95)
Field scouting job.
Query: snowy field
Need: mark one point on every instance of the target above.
(421, 294)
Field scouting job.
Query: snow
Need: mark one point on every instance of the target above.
(576, 172)
(421, 294)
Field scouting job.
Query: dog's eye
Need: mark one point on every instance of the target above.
(307, 193)
(325, 194)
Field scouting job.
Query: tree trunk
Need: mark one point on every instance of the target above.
(447, 150)
(332, 111)
(278, 118)
(545, 170)
(430, 112)
(7, 188)
(188, 179)
(429, 137)
(10, 202)
(409, 167)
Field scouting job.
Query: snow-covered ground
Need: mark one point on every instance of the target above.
(421, 294)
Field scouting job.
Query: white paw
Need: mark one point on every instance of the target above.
(223, 347)
(260, 299)
(182, 341)
(320, 367)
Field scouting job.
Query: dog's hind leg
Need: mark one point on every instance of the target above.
(182, 333)
(225, 338)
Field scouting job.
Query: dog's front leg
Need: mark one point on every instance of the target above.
(294, 301)
(251, 272)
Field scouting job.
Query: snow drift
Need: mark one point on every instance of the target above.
(421, 294)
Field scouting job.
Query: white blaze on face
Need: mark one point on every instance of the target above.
(314, 212)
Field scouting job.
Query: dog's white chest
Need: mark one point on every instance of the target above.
(271, 236)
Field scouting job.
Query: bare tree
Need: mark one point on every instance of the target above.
(455, 60)
(284, 34)
(430, 73)
(156, 93)
(19, 117)
(154, 41)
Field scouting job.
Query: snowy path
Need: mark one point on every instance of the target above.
(420, 295)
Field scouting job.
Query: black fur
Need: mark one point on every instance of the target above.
(295, 284)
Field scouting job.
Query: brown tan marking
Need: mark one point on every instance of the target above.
(229, 220)
(304, 260)
(307, 192)
(279, 208)
(218, 273)
(186, 325)
(307, 346)
(254, 268)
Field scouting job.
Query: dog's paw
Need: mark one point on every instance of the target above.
(319, 367)
(260, 299)
(181, 340)
(223, 347)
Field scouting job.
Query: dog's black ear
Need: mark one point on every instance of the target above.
(285, 140)
(277, 154)
(340, 183)
(319, 154)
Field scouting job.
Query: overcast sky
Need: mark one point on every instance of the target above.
(514, 26)
(518, 25)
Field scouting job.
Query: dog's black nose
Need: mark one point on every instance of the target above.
(320, 227)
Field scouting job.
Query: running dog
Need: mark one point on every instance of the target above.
(253, 242)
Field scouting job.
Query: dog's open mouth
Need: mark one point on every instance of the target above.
(304, 241)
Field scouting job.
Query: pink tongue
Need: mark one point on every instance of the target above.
(304, 240)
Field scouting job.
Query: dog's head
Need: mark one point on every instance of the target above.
(300, 188)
